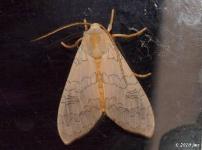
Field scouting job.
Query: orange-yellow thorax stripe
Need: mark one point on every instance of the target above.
(100, 84)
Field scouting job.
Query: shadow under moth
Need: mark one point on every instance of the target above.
(101, 82)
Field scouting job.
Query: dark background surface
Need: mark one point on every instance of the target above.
(32, 75)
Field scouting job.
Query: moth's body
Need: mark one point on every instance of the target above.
(95, 40)
(100, 81)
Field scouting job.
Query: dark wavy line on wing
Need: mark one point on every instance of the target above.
(80, 119)
(134, 94)
(128, 116)
(116, 80)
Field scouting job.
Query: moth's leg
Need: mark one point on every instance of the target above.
(130, 35)
(76, 44)
(85, 24)
(79, 40)
(109, 28)
(142, 75)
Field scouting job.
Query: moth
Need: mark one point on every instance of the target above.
(100, 82)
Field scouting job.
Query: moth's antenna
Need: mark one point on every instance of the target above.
(109, 28)
(59, 29)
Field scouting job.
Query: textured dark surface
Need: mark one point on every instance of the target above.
(177, 84)
(187, 137)
(32, 75)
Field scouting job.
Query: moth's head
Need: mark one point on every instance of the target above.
(95, 31)
(95, 26)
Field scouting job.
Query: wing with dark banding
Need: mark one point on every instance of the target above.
(126, 102)
(79, 108)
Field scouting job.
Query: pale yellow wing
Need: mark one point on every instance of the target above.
(126, 102)
(79, 106)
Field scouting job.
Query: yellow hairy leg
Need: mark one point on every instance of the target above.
(76, 44)
(142, 75)
(130, 35)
